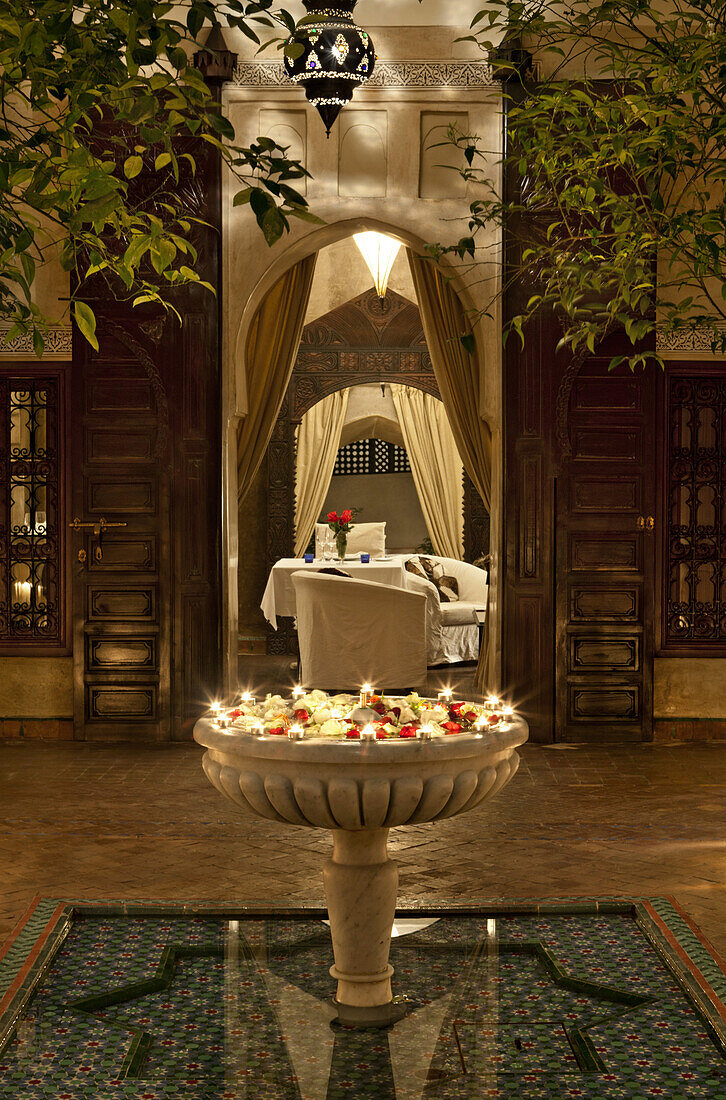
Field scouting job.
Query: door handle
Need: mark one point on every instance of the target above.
(98, 530)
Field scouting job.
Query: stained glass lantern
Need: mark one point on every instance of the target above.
(332, 56)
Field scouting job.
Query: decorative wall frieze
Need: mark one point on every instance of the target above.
(58, 343)
(387, 74)
(697, 339)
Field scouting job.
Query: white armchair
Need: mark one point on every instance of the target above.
(353, 632)
(452, 634)
(363, 538)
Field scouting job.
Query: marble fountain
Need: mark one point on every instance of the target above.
(360, 785)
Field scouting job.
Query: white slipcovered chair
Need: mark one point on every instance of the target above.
(452, 634)
(363, 538)
(353, 632)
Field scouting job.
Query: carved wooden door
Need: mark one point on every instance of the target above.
(146, 439)
(121, 575)
(605, 540)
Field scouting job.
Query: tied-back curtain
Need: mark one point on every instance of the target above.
(435, 465)
(272, 345)
(318, 440)
(457, 374)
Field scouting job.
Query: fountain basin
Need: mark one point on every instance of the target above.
(354, 784)
(359, 790)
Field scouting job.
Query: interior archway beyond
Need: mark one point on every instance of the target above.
(350, 340)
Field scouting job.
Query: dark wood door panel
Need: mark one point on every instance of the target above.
(116, 653)
(147, 453)
(605, 559)
(595, 603)
(604, 653)
(605, 702)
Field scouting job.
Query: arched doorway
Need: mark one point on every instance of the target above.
(366, 340)
(486, 360)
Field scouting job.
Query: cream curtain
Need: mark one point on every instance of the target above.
(318, 439)
(457, 373)
(435, 465)
(270, 355)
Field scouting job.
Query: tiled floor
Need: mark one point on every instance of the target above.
(546, 1005)
(135, 821)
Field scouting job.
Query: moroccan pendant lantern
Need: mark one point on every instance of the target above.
(332, 57)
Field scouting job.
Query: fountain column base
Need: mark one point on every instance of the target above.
(361, 887)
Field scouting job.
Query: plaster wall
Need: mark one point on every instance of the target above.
(36, 687)
(341, 273)
(689, 687)
(389, 498)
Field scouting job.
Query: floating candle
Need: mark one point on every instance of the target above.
(248, 698)
(296, 733)
(425, 733)
(445, 695)
(298, 692)
(368, 733)
(508, 712)
(215, 708)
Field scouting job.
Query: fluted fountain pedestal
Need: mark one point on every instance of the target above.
(359, 790)
(361, 887)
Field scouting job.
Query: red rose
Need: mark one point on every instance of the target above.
(451, 727)
(346, 516)
(381, 734)
(408, 731)
(278, 731)
(493, 719)
(233, 713)
(302, 716)
(470, 716)
(455, 707)
(353, 732)
(332, 517)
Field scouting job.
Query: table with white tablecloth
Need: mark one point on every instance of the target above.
(279, 595)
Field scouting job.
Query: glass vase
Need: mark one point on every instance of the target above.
(341, 542)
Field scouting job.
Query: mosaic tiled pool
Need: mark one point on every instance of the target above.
(590, 999)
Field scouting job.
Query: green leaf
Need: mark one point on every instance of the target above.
(468, 342)
(132, 166)
(85, 318)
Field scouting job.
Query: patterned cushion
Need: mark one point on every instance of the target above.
(447, 587)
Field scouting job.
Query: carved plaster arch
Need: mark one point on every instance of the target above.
(313, 242)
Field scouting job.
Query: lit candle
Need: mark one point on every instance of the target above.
(491, 702)
(21, 591)
(508, 712)
(247, 698)
(296, 733)
(298, 692)
(480, 723)
(425, 733)
(445, 695)
(216, 708)
(366, 694)
(258, 729)
(368, 733)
